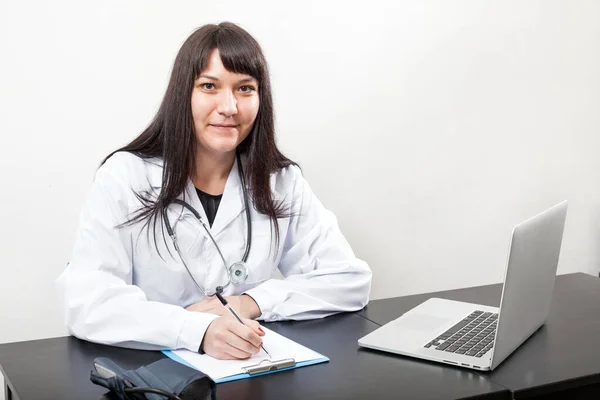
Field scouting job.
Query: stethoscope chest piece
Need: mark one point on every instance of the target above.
(238, 272)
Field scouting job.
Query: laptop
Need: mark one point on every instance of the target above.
(481, 337)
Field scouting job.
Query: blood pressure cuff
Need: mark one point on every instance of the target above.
(165, 375)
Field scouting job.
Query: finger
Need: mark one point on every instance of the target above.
(255, 326)
(242, 348)
(221, 355)
(244, 332)
(227, 356)
(242, 344)
(234, 354)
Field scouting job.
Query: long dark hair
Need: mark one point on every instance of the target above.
(171, 134)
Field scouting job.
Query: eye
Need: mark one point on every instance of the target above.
(247, 89)
(207, 86)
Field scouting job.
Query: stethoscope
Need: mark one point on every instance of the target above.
(237, 273)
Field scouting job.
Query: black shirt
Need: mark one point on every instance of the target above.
(210, 202)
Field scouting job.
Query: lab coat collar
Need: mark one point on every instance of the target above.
(232, 202)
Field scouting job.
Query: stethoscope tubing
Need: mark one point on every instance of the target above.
(196, 214)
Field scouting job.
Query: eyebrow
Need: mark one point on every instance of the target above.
(214, 78)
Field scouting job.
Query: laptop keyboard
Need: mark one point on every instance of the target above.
(472, 336)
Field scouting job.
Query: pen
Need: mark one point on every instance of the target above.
(226, 304)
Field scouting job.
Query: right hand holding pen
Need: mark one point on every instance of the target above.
(227, 339)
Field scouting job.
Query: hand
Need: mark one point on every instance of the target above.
(244, 305)
(227, 339)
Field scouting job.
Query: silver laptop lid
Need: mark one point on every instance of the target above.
(529, 280)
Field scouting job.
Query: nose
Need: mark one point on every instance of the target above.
(227, 104)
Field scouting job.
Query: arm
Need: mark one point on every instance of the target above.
(100, 301)
(322, 275)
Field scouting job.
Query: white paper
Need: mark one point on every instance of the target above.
(278, 346)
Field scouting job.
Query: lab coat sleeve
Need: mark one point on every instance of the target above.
(322, 276)
(100, 302)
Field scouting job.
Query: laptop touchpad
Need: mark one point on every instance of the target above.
(421, 322)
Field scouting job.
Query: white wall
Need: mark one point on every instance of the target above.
(429, 127)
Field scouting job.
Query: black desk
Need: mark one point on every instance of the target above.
(59, 369)
(561, 360)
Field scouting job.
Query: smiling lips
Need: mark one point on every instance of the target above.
(223, 126)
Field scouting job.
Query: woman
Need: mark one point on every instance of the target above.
(144, 269)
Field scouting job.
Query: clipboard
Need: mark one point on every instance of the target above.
(258, 369)
(268, 365)
(286, 355)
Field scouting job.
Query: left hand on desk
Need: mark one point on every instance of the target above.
(244, 305)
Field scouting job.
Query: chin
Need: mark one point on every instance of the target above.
(223, 147)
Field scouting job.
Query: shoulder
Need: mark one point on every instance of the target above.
(287, 181)
(131, 170)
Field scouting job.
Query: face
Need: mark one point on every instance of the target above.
(224, 107)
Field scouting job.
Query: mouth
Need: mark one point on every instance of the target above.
(224, 126)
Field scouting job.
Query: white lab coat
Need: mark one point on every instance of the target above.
(117, 290)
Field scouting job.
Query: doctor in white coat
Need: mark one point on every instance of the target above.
(211, 145)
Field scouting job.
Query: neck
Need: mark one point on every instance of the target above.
(212, 171)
